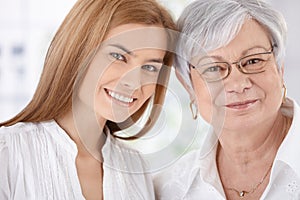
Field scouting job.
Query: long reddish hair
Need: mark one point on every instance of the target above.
(83, 29)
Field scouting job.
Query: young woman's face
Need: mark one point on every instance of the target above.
(241, 100)
(123, 74)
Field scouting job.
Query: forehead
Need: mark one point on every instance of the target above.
(251, 34)
(137, 36)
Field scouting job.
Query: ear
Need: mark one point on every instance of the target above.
(186, 86)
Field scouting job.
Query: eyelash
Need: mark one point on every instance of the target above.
(118, 56)
(121, 57)
(153, 68)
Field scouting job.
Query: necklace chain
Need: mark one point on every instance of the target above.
(244, 192)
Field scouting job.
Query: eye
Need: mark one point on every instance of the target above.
(213, 68)
(118, 56)
(150, 68)
(253, 61)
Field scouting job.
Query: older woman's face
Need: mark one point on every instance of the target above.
(240, 99)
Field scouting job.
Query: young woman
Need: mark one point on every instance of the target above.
(106, 64)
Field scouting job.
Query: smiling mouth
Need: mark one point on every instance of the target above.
(120, 97)
(241, 105)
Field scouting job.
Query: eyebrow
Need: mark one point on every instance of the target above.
(244, 53)
(122, 48)
(158, 60)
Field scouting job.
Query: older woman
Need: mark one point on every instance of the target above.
(230, 59)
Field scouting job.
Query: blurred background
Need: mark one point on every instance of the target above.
(27, 27)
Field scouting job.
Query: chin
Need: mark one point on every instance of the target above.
(119, 119)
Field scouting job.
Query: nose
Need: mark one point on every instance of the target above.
(131, 79)
(237, 81)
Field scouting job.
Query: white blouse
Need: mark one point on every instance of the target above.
(37, 162)
(195, 175)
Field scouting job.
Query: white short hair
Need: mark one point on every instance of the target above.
(208, 25)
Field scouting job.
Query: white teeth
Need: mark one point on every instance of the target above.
(120, 97)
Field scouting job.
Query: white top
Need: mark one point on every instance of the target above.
(37, 162)
(195, 175)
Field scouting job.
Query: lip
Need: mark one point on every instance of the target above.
(241, 105)
(120, 98)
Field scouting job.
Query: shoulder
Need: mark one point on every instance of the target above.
(15, 148)
(7, 133)
(30, 153)
(18, 128)
(32, 137)
(18, 131)
(22, 137)
(183, 166)
(175, 180)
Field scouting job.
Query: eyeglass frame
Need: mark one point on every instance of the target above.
(238, 64)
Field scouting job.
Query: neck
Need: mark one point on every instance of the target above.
(86, 133)
(88, 136)
(245, 157)
(253, 144)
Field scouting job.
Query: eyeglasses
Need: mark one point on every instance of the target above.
(251, 64)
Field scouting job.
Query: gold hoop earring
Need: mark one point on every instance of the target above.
(194, 109)
(284, 94)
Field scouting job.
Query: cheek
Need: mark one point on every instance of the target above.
(271, 83)
(88, 87)
(272, 86)
(111, 77)
(209, 97)
(203, 97)
(95, 76)
(148, 91)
